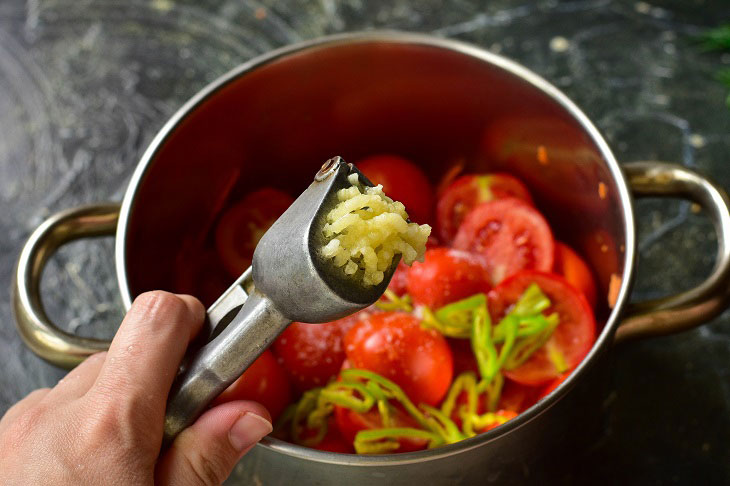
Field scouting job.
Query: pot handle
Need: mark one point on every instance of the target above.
(688, 309)
(41, 335)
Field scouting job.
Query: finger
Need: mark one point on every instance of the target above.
(206, 452)
(78, 381)
(30, 401)
(144, 356)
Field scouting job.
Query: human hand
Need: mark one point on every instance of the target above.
(103, 422)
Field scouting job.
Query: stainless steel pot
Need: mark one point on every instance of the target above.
(438, 102)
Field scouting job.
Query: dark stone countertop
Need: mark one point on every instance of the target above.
(85, 86)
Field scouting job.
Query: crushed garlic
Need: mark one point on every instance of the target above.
(367, 229)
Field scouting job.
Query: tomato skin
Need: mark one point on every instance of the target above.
(516, 397)
(350, 423)
(447, 275)
(264, 382)
(394, 345)
(312, 354)
(242, 225)
(467, 192)
(402, 181)
(333, 441)
(399, 280)
(510, 234)
(573, 337)
(575, 271)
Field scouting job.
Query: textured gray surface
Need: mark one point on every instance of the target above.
(84, 87)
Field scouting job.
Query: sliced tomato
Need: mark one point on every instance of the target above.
(402, 181)
(511, 234)
(572, 338)
(572, 267)
(447, 275)
(242, 225)
(516, 397)
(264, 382)
(463, 356)
(394, 345)
(350, 423)
(467, 192)
(312, 354)
(553, 384)
(333, 440)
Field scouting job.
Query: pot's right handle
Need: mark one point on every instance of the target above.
(696, 306)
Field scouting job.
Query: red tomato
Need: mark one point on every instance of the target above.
(464, 359)
(312, 354)
(350, 423)
(333, 440)
(447, 275)
(243, 224)
(516, 397)
(399, 281)
(573, 337)
(264, 382)
(511, 235)
(554, 384)
(402, 181)
(575, 271)
(469, 191)
(394, 345)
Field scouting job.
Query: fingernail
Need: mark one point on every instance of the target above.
(248, 429)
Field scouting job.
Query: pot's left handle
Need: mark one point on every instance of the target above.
(36, 329)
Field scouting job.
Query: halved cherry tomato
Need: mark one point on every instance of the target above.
(575, 271)
(264, 382)
(402, 181)
(312, 354)
(399, 280)
(464, 359)
(511, 234)
(350, 423)
(554, 384)
(243, 224)
(468, 191)
(394, 345)
(333, 440)
(571, 340)
(516, 397)
(447, 275)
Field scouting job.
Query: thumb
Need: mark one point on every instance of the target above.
(206, 452)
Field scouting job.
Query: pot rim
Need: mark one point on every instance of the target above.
(604, 339)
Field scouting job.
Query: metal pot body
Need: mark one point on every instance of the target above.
(443, 104)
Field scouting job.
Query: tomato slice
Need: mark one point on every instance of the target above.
(333, 441)
(517, 397)
(402, 181)
(243, 224)
(573, 337)
(511, 235)
(350, 423)
(312, 354)
(575, 271)
(447, 275)
(394, 345)
(264, 382)
(554, 384)
(468, 191)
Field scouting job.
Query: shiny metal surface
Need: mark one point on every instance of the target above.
(688, 309)
(291, 283)
(38, 332)
(437, 101)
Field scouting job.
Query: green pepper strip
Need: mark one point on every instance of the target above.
(482, 346)
(441, 422)
(378, 441)
(429, 320)
(307, 404)
(526, 347)
(464, 382)
(390, 389)
(394, 303)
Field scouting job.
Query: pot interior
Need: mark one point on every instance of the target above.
(274, 126)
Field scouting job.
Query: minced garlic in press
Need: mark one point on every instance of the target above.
(367, 230)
